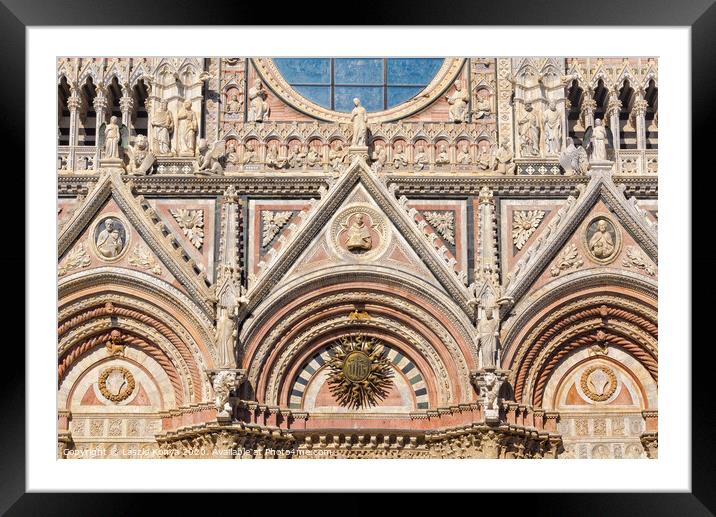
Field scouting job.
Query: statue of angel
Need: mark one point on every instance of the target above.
(574, 159)
(209, 157)
(597, 140)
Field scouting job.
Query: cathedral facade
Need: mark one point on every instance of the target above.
(357, 257)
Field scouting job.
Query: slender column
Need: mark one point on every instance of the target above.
(100, 108)
(614, 106)
(126, 104)
(639, 111)
(74, 103)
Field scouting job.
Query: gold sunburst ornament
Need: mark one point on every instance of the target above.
(360, 374)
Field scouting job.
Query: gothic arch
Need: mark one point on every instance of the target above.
(409, 315)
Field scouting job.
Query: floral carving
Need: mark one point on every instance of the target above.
(637, 259)
(116, 383)
(76, 258)
(524, 224)
(598, 383)
(192, 224)
(272, 224)
(568, 258)
(143, 258)
(443, 223)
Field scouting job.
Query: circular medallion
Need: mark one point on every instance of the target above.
(359, 231)
(356, 367)
(116, 383)
(110, 238)
(598, 383)
(602, 240)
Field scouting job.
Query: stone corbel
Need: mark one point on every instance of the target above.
(224, 382)
(488, 382)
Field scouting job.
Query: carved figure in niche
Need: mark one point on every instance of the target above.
(601, 243)
(598, 140)
(484, 158)
(210, 156)
(552, 129)
(400, 160)
(458, 103)
(421, 158)
(529, 132)
(463, 155)
(111, 139)
(272, 159)
(337, 155)
(109, 241)
(226, 335)
(379, 157)
(232, 156)
(299, 157)
(491, 391)
(258, 104)
(140, 157)
(483, 106)
(359, 118)
(250, 153)
(488, 329)
(313, 158)
(503, 157)
(234, 105)
(188, 125)
(359, 238)
(443, 158)
(163, 124)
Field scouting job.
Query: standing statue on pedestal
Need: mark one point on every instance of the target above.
(597, 138)
(111, 139)
(163, 124)
(188, 126)
(359, 118)
(529, 132)
(258, 103)
(552, 130)
(226, 336)
(488, 330)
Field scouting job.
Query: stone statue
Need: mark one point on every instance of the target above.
(574, 159)
(232, 156)
(599, 141)
(380, 156)
(359, 238)
(109, 241)
(188, 126)
(111, 139)
(442, 158)
(234, 106)
(483, 107)
(312, 157)
(359, 118)
(490, 395)
(400, 160)
(163, 124)
(223, 382)
(503, 159)
(484, 158)
(258, 103)
(421, 158)
(552, 130)
(249, 154)
(140, 157)
(463, 155)
(210, 156)
(272, 159)
(601, 243)
(337, 155)
(226, 336)
(528, 130)
(488, 329)
(458, 103)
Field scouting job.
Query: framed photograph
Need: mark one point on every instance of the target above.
(434, 249)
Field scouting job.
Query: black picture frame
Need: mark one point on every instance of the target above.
(699, 15)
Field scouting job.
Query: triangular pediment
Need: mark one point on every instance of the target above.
(113, 227)
(359, 222)
(575, 223)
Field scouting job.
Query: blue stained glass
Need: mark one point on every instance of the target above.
(321, 95)
(305, 71)
(370, 97)
(358, 71)
(379, 83)
(399, 94)
(412, 71)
